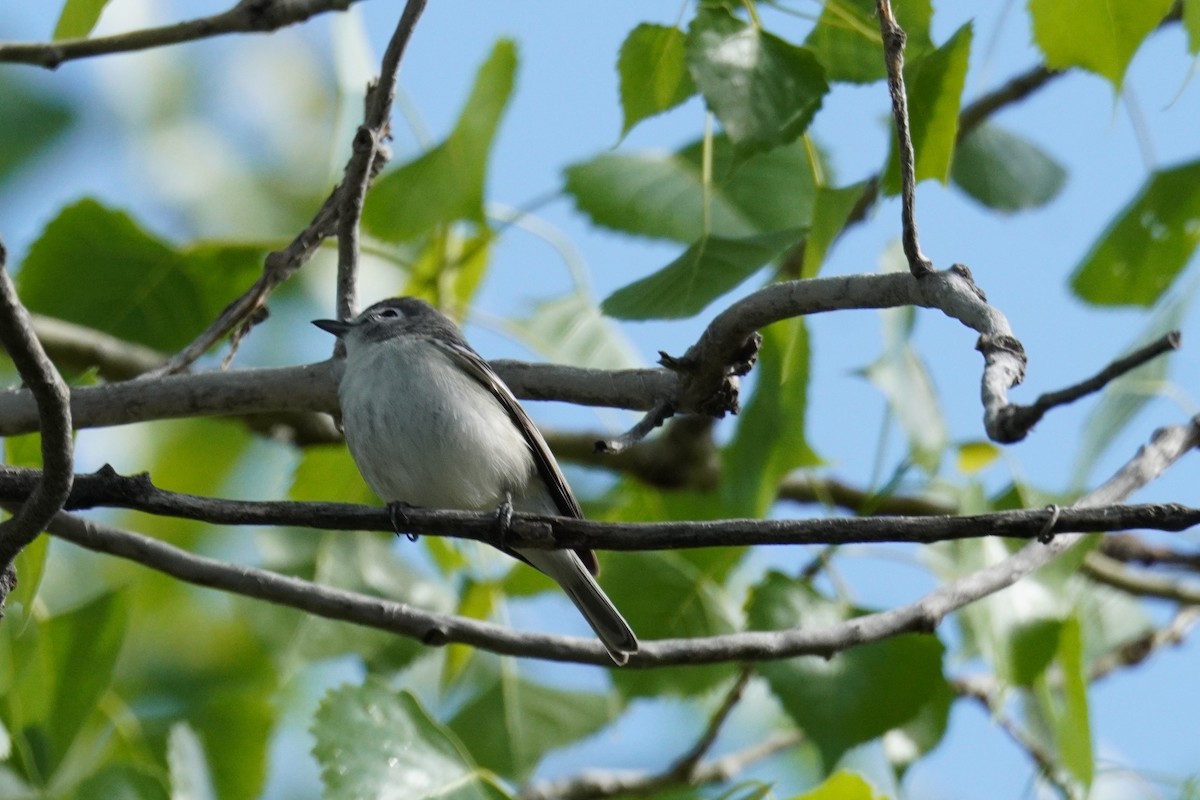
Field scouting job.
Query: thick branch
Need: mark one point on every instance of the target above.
(47, 494)
(248, 16)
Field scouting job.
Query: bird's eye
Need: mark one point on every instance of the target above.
(388, 313)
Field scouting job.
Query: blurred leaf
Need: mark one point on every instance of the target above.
(846, 38)
(1100, 36)
(662, 195)
(764, 90)
(571, 330)
(670, 595)
(512, 723)
(373, 742)
(477, 600)
(902, 377)
(1137, 258)
(831, 212)
(123, 782)
(906, 744)
(328, 473)
(30, 122)
(770, 440)
(1191, 23)
(843, 785)
(1124, 397)
(190, 778)
(1062, 705)
(1004, 171)
(974, 457)
(935, 85)
(653, 70)
(139, 287)
(446, 183)
(77, 19)
(30, 565)
(858, 694)
(706, 270)
(51, 696)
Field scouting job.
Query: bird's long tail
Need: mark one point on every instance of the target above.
(568, 571)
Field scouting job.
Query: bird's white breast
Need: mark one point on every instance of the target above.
(424, 432)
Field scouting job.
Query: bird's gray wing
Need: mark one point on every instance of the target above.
(474, 365)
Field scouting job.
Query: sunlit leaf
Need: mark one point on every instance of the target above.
(935, 85)
(571, 330)
(708, 269)
(976, 456)
(764, 90)
(1141, 252)
(831, 211)
(1100, 36)
(653, 70)
(1191, 23)
(843, 785)
(190, 776)
(858, 694)
(1004, 171)
(375, 742)
(446, 183)
(847, 41)
(77, 19)
(512, 723)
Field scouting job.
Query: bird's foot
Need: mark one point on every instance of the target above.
(503, 521)
(398, 514)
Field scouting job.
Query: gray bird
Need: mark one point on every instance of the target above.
(430, 424)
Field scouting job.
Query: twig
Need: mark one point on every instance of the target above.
(1014, 90)
(893, 56)
(652, 419)
(52, 487)
(1134, 652)
(830, 491)
(366, 147)
(923, 615)
(684, 767)
(1140, 582)
(106, 488)
(1131, 548)
(248, 16)
(1017, 420)
(250, 309)
(87, 348)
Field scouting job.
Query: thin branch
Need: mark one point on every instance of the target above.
(1017, 420)
(47, 494)
(81, 347)
(923, 615)
(106, 488)
(1133, 549)
(1140, 582)
(361, 167)
(832, 492)
(652, 419)
(248, 16)
(596, 785)
(893, 55)
(1014, 90)
(365, 162)
(685, 767)
(1134, 652)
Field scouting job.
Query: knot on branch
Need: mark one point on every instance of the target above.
(697, 394)
(964, 272)
(993, 346)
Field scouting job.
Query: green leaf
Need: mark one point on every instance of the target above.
(1138, 256)
(831, 212)
(843, 785)
(1100, 36)
(662, 195)
(902, 377)
(190, 775)
(1061, 704)
(764, 90)
(446, 184)
(30, 122)
(77, 19)
(683, 598)
(1191, 23)
(846, 38)
(373, 742)
(139, 287)
(571, 330)
(512, 723)
(52, 697)
(653, 70)
(976, 456)
(770, 440)
(855, 696)
(935, 85)
(708, 269)
(124, 782)
(1004, 171)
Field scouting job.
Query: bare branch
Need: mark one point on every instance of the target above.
(1134, 652)
(248, 16)
(366, 148)
(1133, 549)
(1140, 582)
(893, 56)
(1016, 421)
(653, 418)
(51, 489)
(86, 348)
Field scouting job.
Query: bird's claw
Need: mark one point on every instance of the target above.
(398, 514)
